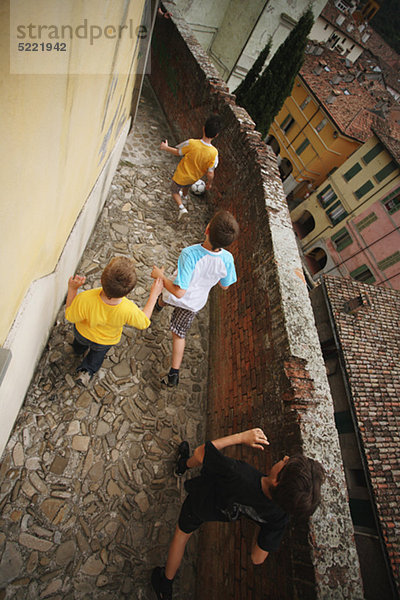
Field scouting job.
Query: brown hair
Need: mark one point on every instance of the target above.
(223, 229)
(298, 490)
(119, 277)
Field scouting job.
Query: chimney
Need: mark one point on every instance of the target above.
(351, 307)
(332, 96)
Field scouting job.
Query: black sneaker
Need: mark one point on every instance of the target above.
(183, 455)
(170, 380)
(161, 585)
(157, 305)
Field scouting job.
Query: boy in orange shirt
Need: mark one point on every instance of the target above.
(198, 158)
(100, 314)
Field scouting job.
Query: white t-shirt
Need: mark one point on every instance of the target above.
(198, 271)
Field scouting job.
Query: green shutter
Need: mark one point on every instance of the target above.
(364, 189)
(302, 146)
(389, 261)
(371, 218)
(383, 173)
(372, 153)
(353, 171)
(342, 239)
(363, 274)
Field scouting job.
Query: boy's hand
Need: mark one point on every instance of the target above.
(164, 145)
(75, 282)
(157, 286)
(255, 438)
(157, 273)
(208, 185)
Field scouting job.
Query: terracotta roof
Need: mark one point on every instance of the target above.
(354, 102)
(370, 342)
(389, 135)
(385, 57)
(378, 53)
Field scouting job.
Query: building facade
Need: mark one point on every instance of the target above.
(350, 225)
(233, 32)
(71, 78)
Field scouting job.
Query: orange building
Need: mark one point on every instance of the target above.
(325, 119)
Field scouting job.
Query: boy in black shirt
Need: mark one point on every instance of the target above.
(228, 488)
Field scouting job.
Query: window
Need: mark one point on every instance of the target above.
(372, 153)
(383, 173)
(302, 146)
(363, 274)
(389, 261)
(353, 171)
(321, 124)
(392, 202)
(287, 123)
(327, 196)
(344, 422)
(364, 189)
(316, 260)
(361, 513)
(342, 239)
(366, 221)
(336, 213)
(304, 225)
(357, 477)
(305, 102)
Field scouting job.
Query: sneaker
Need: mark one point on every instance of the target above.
(84, 378)
(183, 455)
(157, 305)
(161, 585)
(170, 380)
(182, 211)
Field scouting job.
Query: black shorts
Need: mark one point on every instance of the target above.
(189, 521)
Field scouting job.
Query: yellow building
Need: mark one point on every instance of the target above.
(71, 74)
(324, 120)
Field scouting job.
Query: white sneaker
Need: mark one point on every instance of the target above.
(182, 211)
(84, 378)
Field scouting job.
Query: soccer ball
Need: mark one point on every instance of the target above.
(199, 187)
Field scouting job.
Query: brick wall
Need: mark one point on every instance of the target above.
(266, 368)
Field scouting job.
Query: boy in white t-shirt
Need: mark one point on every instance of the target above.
(200, 267)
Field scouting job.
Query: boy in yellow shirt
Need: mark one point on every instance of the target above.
(198, 158)
(100, 314)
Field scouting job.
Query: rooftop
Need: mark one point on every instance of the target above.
(354, 102)
(370, 342)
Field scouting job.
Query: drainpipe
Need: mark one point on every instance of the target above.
(357, 434)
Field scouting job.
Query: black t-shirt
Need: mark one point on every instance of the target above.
(228, 488)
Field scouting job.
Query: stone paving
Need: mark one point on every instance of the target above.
(88, 502)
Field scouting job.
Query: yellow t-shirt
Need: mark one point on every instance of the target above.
(198, 158)
(101, 322)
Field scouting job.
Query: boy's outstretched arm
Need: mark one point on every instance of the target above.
(169, 285)
(155, 291)
(74, 283)
(255, 438)
(170, 149)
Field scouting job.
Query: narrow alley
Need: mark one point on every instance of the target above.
(88, 500)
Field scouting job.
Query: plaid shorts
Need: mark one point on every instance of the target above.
(181, 320)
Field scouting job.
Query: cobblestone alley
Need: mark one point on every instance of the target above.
(88, 502)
